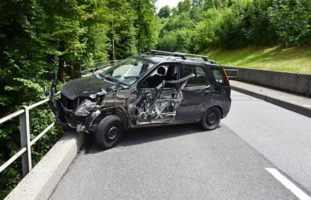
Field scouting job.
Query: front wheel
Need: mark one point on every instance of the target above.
(211, 119)
(109, 132)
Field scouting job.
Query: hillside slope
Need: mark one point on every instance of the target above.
(296, 59)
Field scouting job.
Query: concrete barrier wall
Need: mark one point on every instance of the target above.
(292, 82)
(43, 178)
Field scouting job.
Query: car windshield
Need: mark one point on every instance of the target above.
(127, 72)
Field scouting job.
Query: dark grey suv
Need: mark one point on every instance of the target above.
(156, 88)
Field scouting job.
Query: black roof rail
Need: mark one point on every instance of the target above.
(205, 58)
(167, 53)
(182, 55)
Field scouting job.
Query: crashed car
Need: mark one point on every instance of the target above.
(155, 88)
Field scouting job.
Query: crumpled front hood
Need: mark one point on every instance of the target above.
(83, 87)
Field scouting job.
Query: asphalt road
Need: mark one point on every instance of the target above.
(182, 162)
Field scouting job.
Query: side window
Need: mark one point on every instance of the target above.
(219, 76)
(168, 72)
(198, 71)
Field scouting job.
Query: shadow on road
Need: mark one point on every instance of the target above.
(144, 135)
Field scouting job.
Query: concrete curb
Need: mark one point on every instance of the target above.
(290, 106)
(41, 181)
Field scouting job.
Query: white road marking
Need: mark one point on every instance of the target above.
(288, 184)
(305, 105)
(114, 150)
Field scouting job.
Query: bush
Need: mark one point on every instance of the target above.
(292, 21)
(234, 24)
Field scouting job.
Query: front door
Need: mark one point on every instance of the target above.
(160, 95)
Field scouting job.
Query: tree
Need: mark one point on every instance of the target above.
(145, 24)
(184, 6)
(164, 12)
(39, 38)
(122, 32)
(23, 74)
(63, 33)
(292, 21)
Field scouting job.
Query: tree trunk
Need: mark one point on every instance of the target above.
(112, 41)
(72, 70)
(61, 62)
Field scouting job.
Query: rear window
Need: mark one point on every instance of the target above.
(219, 76)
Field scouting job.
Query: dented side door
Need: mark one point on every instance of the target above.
(196, 94)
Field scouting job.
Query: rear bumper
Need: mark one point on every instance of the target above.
(226, 108)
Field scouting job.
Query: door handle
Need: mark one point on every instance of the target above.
(216, 91)
(207, 89)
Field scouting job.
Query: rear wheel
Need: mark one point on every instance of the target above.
(211, 119)
(109, 132)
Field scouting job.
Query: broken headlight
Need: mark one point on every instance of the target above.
(132, 98)
(98, 94)
(85, 108)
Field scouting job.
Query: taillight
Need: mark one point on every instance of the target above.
(226, 76)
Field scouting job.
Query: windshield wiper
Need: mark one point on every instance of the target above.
(109, 78)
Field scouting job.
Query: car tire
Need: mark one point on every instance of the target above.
(211, 119)
(109, 132)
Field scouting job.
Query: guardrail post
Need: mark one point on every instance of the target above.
(25, 140)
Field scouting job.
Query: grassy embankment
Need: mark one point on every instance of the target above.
(296, 59)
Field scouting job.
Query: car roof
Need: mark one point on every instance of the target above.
(158, 57)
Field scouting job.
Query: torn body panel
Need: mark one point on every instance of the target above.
(156, 106)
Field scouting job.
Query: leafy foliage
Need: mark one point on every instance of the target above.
(164, 12)
(231, 24)
(41, 38)
(292, 21)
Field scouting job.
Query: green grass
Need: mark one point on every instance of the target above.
(296, 59)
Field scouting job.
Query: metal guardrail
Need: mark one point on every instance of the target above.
(26, 142)
(231, 70)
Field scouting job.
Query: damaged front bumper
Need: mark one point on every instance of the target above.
(67, 118)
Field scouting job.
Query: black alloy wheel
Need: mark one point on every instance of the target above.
(109, 132)
(211, 119)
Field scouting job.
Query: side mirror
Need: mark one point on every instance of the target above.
(207, 86)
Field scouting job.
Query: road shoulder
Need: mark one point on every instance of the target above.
(296, 103)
